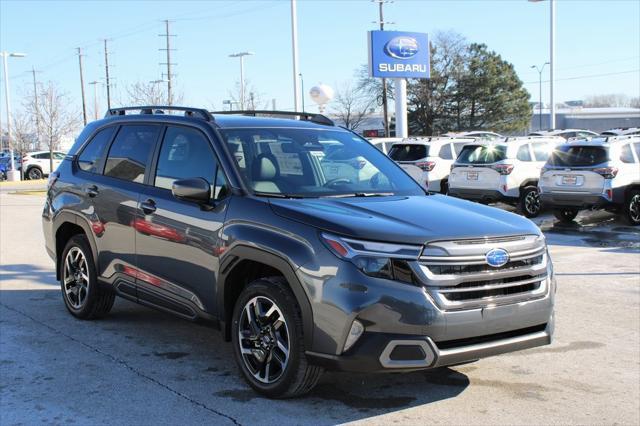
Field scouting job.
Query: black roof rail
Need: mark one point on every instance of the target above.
(308, 116)
(160, 109)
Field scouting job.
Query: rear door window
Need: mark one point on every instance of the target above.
(523, 153)
(445, 152)
(578, 156)
(408, 152)
(482, 154)
(626, 156)
(541, 151)
(92, 153)
(130, 152)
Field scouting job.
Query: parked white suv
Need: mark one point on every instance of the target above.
(567, 134)
(622, 131)
(596, 173)
(36, 165)
(477, 134)
(428, 160)
(505, 171)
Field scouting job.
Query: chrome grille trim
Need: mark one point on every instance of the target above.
(454, 288)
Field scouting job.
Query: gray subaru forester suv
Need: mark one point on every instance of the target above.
(305, 264)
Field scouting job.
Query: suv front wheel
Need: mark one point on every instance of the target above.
(268, 340)
(529, 202)
(34, 173)
(82, 294)
(632, 208)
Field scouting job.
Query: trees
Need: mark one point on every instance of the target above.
(611, 100)
(23, 133)
(470, 88)
(352, 105)
(151, 93)
(55, 118)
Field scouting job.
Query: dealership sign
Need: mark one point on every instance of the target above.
(398, 54)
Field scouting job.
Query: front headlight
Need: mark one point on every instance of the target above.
(375, 259)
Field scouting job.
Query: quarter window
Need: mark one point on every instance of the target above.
(541, 151)
(91, 154)
(130, 152)
(523, 153)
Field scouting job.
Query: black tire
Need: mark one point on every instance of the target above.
(34, 173)
(565, 215)
(444, 187)
(529, 202)
(298, 376)
(92, 300)
(631, 208)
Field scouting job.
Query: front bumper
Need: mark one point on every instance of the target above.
(375, 352)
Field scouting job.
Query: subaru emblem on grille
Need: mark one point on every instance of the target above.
(497, 257)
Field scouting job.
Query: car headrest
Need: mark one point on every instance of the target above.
(265, 167)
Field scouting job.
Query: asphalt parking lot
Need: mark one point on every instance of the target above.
(139, 366)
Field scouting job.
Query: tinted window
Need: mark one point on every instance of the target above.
(130, 152)
(408, 152)
(58, 156)
(484, 154)
(445, 152)
(636, 148)
(43, 156)
(93, 151)
(626, 156)
(523, 153)
(541, 151)
(185, 153)
(457, 147)
(580, 156)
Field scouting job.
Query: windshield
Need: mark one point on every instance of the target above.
(580, 156)
(408, 152)
(482, 154)
(314, 163)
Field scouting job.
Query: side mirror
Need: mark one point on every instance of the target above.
(197, 190)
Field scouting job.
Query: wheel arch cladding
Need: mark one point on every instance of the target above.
(244, 264)
(66, 226)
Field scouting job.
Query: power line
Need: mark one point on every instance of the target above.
(586, 76)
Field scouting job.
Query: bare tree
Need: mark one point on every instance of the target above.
(608, 100)
(353, 105)
(151, 94)
(252, 97)
(57, 120)
(23, 132)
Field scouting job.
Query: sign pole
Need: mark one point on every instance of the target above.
(402, 128)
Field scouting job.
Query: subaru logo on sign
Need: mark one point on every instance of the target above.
(497, 257)
(401, 47)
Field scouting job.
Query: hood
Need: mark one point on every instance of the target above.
(400, 219)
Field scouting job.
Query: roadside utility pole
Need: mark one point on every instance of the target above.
(167, 35)
(385, 112)
(84, 104)
(106, 70)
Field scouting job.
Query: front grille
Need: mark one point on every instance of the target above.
(459, 278)
(444, 269)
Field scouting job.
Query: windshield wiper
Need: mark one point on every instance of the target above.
(276, 195)
(361, 194)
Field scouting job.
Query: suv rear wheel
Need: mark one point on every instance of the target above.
(632, 208)
(34, 173)
(565, 215)
(529, 203)
(268, 340)
(82, 294)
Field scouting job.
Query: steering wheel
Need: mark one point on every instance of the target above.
(337, 181)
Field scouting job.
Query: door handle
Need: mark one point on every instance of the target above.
(148, 206)
(91, 191)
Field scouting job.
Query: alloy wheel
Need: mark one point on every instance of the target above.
(532, 202)
(634, 208)
(264, 339)
(35, 174)
(76, 277)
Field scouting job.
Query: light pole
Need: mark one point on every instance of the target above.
(294, 52)
(552, 59)
(241, 55)
(302, 89)
(12, 175)
(540, 69)
(95, 98)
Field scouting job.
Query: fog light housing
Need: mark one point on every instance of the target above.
(354, 334)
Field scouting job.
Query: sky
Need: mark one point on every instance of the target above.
(597, 43)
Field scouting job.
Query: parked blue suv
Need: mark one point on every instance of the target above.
(304, 262)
